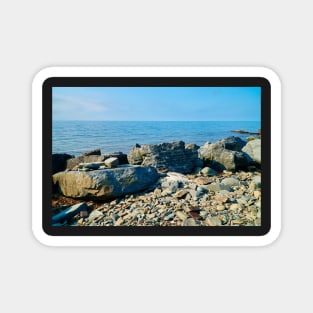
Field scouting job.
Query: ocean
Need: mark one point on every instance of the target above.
(76, 137)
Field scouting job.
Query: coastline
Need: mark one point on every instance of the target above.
(189, 193)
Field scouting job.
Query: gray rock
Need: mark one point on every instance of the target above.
(105, 184)
(73, 162)
(253, 149)
(230, 181)
(92, 165)
(218, 187)
(69, 213)
(207, 171)
(173, 156)
(111, 162)
(225, 154)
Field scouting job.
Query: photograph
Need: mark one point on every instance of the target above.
(156, 156)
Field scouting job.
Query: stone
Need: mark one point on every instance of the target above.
(180, 193)
(218, 187)
(170, 186)
(190, 222)
(105, 184)
(73, 162)
(112, 162)
(213, 221)
(173, 156)
(69, 213)
(181, 215)
(225, 154)
(91, 166)
(257, 194)
(253, 149)
(92, 152)
(203, 180)
(255, 183)
(230, 181)
(59, 162)
(207, 171)
(94, 215)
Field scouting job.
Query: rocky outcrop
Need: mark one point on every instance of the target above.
(74, 162)
(253, 149)
(105, 184)
(225, 154)
(174, 156)
(59, 162)
(92, 152)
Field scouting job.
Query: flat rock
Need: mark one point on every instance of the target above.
(231, 181)
(218, 187)
(180, 193)
(105, 184)
(203, 180)
(190, 222)
(92, 152)
(112, 162)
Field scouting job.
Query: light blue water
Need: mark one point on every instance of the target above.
(76, 137)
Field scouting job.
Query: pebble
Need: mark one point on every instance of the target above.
(230, 199)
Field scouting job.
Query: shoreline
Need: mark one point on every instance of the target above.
(167, 184)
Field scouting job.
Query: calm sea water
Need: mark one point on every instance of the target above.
(76, 137)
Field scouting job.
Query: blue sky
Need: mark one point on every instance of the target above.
(157, 103)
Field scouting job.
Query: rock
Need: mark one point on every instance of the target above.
(92, 152)
(202, 180)
(105, 184)
(94, 215)
(170, 186)
(173, 156)
(190, 222)
(59, 162)
(231, 181)
(72, 163)
(195, 194)
(218, 187)
(257, 194)
(225, 154)
(181, 193)
(181, 215)
(253, 149)
(213, 221)
(255, 183)
(207, 171)
(111, 162)
(69, 212)
(91, 166)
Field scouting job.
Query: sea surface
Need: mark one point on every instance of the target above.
(76, 137)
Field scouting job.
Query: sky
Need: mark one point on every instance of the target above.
(157, 103)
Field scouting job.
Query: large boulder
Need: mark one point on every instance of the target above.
(253, 149)
(59, 162)
(225, 154)
(105, 184)
(93, 158)
(171, 156)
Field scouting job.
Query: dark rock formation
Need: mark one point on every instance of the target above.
(59, 162)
